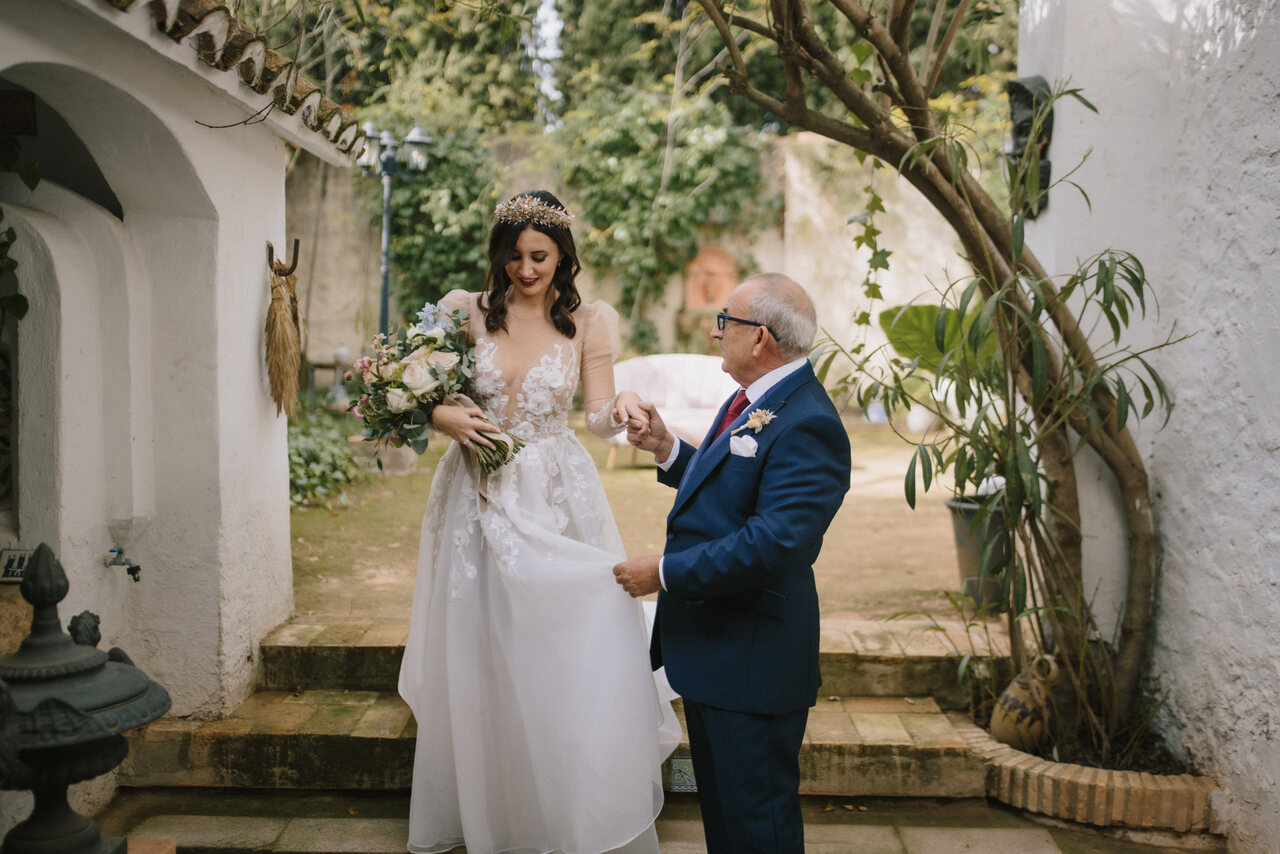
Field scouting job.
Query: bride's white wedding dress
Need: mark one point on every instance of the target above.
(539, 725)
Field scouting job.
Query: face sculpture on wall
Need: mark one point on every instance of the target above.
(1026, 96)
(708, 279)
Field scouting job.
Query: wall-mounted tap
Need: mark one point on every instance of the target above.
(116, 557)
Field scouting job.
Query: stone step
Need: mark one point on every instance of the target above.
(885, 746)
(226, 822)
(858, 657)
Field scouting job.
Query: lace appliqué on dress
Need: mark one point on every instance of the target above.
(542, 405)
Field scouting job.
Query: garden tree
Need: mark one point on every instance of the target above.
(468, 62)
(462, 71)
(623, 42)
(648, 172)
(650, 160)
(1044, 366)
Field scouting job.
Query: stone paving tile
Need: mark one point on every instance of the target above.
(980, 840)
(385, 634)
(334, 719)
(384, 719)
(275, 717)
(892, 705)
(340, 634)
(863, 839)
(933, 732)
(881, 730)
(209, 831)
(294, 634)
(834, 639)
(359, 835)
(333, 698)
(873, 638)
(923, 640)
(150, 846)
(835, 727)
(227, 727)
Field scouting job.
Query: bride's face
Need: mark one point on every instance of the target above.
(531, 266)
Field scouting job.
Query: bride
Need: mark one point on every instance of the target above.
(540, 728)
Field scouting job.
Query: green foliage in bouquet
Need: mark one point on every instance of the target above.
(413, 371)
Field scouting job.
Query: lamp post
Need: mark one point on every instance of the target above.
(385, 156)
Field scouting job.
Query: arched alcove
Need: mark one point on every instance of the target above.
(123, 248)
(141, 162)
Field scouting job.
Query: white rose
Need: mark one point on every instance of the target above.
(417, 376)
(443, 361)
(417, 355)
(435, 334)
(399, 400)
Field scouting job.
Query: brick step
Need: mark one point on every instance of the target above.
(885, 746)
(858, 657)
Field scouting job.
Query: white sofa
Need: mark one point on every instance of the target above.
(687, 388)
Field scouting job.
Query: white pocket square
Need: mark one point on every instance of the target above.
(742, 446)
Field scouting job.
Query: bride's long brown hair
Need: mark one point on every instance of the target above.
(502, 245)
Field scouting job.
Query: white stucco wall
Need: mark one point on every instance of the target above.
(144, 414)
(1185, 172)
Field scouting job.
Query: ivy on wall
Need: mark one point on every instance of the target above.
(649, 172)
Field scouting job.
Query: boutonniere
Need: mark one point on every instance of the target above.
(755, 421)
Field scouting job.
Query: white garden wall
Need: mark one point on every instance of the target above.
(144, 418)
(1184, 170)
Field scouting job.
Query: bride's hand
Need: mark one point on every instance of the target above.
(463, 424)
(629, 411)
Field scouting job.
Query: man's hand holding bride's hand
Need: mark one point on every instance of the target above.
(628, 410)
(463, 424)
(639, 575)
(651, 435)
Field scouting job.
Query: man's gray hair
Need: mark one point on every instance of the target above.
(783, 306)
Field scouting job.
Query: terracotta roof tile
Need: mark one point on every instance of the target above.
(224, 43)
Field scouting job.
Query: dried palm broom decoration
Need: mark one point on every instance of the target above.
(284, 336)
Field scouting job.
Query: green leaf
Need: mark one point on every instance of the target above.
(862, 50)
(824, 365)
(909, 485)
(1075, 93)
(960, 468)
(926, 466)
(1019, 234)
(1107, 281)
(1123, 404)
(1039, 369)
(964, 666)
(940, 329)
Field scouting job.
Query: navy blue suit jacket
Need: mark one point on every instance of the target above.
(737, 625)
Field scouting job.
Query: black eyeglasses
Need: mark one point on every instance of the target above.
(722, 319)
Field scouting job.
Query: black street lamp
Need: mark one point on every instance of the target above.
(385, 156)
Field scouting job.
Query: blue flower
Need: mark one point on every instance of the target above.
(427, 317)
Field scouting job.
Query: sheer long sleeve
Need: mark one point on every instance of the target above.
(458, 299)
(598, 352)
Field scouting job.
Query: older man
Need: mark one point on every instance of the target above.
(737, 624)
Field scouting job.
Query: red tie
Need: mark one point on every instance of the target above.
(735, 409)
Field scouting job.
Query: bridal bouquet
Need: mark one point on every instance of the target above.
(411, 373)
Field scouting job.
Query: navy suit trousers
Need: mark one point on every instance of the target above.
(748, 773)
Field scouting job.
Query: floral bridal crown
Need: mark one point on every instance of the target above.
(532, 209)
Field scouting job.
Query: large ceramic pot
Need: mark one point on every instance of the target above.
(982, 587)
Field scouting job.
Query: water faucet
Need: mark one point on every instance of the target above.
(115, 557)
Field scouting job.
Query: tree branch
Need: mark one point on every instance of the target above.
(954, 27)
